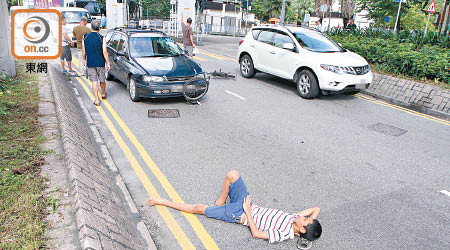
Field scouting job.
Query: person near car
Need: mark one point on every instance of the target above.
(351, 24)
(79, 31)
(66, 54)
(95, 58)
(188, 41)
(319, 25)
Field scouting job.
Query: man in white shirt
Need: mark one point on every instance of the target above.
(66, 54)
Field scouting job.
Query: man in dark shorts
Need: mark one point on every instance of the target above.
(265, 223)
(66, 54)
(95, 57)
(188, 41)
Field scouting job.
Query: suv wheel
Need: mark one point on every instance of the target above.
(246, 65)
(307, 85)
(132, 89)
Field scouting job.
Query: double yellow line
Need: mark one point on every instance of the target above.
(173, 225)
(412, 112)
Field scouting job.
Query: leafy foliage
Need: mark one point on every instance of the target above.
(379, 9)
(414, 56)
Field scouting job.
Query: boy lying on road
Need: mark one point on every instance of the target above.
(265, 223)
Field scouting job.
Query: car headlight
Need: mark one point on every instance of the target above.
(339, 69)
(202, 75)
(152, 79)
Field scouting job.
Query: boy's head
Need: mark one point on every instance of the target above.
(189, 20)
(310, 229)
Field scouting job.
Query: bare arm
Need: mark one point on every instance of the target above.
(192, 41)
(182, 17)
(83, 52)
(313, 212)
(67, 38)
(256, 233)
(105, 54)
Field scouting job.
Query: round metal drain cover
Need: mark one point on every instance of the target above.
(163, 113)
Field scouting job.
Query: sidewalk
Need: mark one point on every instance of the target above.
(95, 197)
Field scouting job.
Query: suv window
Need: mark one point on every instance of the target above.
(280, 39)
(114, 41)
(266, 36)
(255, 33)
(108, 37)
(122, 46)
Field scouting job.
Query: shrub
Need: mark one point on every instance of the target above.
(426, 61)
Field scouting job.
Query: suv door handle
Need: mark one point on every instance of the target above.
(252, 45)
(272, 52)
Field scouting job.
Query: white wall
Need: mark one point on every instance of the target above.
(114, 14)
(7, 63)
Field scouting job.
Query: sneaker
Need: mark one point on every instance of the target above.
(73, 73)
(64, 71)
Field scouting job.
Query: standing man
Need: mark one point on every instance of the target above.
(351, 24)
(66, 54)
(188, 41)
(95, 56)
(79, 31)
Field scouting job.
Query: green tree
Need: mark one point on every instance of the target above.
(381, 8)
(157, 8)
(266, 9)
(302, 7)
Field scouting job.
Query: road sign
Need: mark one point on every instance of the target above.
(387, 19)
(432, 7)
(323, 8)
(396, 1)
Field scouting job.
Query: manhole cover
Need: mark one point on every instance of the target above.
(387, 129)
(163, 113)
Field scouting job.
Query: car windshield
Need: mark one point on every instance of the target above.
(92, 7)
(74, 16)
(153, 47)
(317, 42)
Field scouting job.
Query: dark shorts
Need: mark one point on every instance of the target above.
(231, 211)
(66, 54)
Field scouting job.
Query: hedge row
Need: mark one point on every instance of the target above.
(428, 62)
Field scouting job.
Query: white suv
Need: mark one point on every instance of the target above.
(309, 58)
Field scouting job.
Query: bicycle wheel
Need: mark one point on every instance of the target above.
(195, 88)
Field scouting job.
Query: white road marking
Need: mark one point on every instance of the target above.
(238, 96)
(445, 192)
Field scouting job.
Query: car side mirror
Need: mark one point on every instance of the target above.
(94, 18)
(289, 46)
(71, 5)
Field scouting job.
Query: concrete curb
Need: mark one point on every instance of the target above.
(106, 217)
(422, 97)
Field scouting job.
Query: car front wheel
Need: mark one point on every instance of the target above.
(132, 89)
(247, 68)
(307, 84)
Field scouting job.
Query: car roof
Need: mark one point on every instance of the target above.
(291, 29)
(140, 32)
(70, 9)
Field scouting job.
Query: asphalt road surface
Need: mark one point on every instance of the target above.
(379, 173)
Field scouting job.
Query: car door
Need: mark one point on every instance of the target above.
(111, 46)
(283, 61)
(122, 61)
(261, 56)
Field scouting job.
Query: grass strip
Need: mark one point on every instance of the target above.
(22, 204)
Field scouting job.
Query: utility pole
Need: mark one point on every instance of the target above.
(283, 12)
(398, 15)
